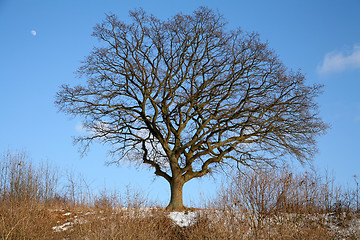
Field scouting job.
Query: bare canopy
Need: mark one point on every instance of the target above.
(185, 95)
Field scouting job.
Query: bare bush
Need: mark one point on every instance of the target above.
(20, 180)
(264, 198)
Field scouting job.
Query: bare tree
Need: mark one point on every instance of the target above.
(186, 95)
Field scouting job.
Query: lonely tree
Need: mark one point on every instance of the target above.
(186, 95)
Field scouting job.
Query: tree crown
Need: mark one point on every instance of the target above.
(185, 94)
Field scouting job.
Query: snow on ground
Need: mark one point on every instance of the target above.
(68, 219)
(184, 219)
(188, 218)
(63, 227)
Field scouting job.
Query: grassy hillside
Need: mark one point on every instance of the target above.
(264, 203)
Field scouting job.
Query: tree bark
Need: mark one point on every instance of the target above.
(176, 200)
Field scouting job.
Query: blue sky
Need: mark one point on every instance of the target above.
(43, 41)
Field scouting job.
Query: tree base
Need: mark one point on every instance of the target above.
(171, 208)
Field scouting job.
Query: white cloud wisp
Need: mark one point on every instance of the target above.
(337, 61)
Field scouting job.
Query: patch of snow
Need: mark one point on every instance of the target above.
(63, 227)
(56, 210)
(184, 219)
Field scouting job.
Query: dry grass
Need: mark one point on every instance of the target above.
(261, 204)
(25, 221)
(91, 223)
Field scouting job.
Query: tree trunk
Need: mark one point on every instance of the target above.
(176, 200)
